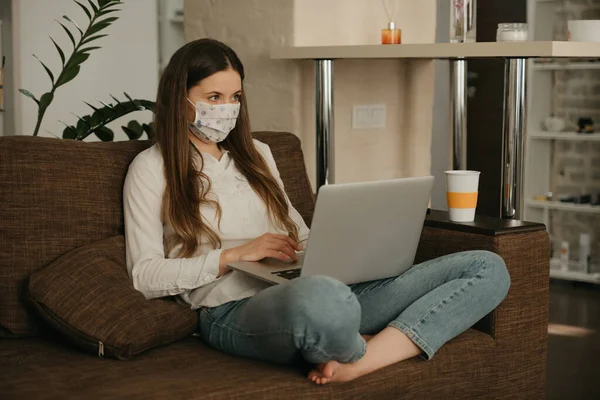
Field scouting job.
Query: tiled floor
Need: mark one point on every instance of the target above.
(574, 342)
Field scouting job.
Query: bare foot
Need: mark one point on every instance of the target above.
(324, 373)
(333, 371)
(388, 347)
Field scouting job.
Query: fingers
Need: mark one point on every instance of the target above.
(276, 254)
(284, 247)
(295, 245)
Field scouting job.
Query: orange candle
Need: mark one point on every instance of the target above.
(391, 35)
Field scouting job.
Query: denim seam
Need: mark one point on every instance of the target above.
(411, 330)
(483, 267)
(401, 276)
(414, 336)
(312, 345)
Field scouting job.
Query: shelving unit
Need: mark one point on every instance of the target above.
(569, 136)
(557, 205)
(554, 66)
(539, 143)
(572, 275)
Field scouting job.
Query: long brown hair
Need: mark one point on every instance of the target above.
(186, 185)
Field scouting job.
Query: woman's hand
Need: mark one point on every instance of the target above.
(268, 245)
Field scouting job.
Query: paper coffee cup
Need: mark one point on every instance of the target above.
(462, 189)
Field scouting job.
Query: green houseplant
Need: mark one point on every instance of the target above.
(100, 15)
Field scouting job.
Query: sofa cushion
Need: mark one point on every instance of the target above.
(87, 296)
(39, 369)
(56, 195)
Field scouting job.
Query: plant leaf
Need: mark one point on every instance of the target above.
(94, 7)
(128, 97)
(74, 23)
(83, 120)
(108, 20)
(105, 134)
(89, 39)
(91, 106)
(115, 99)
(60, 52)
(107, 11)
(109, 106)
(67, 76)
(69, 133)
(68, 32)
(45, 100)
(149, 129)
(50, 133)
(96, 118)
(97, 28)
(131, 134)
(85, 10)
(107, 3)
(50, 74)
(77, 59)
(90, 49)
(30, 95)
(134, 125)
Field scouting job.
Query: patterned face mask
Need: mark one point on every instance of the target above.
(213, 122)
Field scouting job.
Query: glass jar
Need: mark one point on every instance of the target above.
(512, 32)
(463, 21)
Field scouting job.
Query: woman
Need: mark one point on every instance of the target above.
(208, 194)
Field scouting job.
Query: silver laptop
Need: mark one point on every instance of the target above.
(360, 232)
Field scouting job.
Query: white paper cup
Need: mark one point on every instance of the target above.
(462, 190)
(584, 30)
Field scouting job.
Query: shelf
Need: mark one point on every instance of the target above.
(442, 51)
(551, 66)
(557, 205)
(581, 137)
(572, 275)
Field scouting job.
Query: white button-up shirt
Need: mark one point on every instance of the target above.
(244, 218)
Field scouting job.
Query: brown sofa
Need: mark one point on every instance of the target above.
(58, 195)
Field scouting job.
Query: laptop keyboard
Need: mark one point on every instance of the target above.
(288, 273)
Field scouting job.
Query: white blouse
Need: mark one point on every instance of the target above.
(244, 218)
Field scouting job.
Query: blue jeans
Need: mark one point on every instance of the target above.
(320, 319)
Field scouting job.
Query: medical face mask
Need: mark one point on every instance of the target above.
(213, 122)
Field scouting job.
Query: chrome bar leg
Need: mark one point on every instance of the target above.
(513, 137)
(458, 112)
(324, 119)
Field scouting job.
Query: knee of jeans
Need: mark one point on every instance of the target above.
(323, 304)
(498, 273)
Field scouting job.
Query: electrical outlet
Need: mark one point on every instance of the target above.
(369, 116)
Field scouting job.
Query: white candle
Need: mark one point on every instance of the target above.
(511, 36)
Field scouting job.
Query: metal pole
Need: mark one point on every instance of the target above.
(458, 112)
(513, 137)
(324, 120)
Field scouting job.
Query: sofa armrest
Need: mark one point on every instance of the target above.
(520, 324)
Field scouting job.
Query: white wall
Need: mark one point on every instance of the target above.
(402, 148)
(281, 93)
(355, 22)
(127, 62)
(251, 28)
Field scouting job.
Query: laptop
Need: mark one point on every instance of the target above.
(360, 232)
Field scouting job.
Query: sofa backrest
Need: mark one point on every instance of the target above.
(57, 195)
